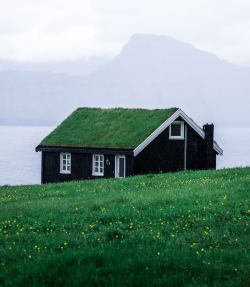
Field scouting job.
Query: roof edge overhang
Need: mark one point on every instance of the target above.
(164, 125)
(83, 149)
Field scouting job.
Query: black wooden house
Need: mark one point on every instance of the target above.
(97, 143)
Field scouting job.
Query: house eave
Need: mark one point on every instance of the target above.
(76, 149)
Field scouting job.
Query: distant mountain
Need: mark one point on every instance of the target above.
(151, 71)
(158, 71)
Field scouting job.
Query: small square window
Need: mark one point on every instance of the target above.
(176, 130)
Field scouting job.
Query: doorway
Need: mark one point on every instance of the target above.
(120, 166)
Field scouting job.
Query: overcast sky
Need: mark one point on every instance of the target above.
(42, 30)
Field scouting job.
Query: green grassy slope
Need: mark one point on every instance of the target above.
(180, 229)
(110, 128)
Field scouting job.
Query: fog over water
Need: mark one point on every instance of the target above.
(20, 164)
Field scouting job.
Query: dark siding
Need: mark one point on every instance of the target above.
(81, 166)
(42, 167)
(161, 155)
(164, 154)
(130, 160)
(196, 152)
(51, 167)
(196, 156)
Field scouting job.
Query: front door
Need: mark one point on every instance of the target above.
(120, 166)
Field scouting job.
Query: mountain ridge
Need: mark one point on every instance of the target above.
(150, 72)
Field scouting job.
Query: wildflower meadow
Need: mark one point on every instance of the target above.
(178, 229)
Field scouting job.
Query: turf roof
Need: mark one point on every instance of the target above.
(107, 128)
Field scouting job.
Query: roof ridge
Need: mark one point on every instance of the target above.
(127, 108)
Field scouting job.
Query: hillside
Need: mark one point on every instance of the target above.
(179, 229)
(150, 72)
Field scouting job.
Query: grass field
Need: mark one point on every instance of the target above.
(179, 229)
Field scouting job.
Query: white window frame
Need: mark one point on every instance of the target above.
(117, 171)
(99, 172)
(181, 136)
(65, 168)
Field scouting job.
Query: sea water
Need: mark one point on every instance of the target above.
(20, 164)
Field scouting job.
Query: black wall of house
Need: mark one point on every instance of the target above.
(161, 155)
(164, 154)
(81, 166)
(196, 158)
(200, 152)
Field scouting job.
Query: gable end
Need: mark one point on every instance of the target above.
(164, 125)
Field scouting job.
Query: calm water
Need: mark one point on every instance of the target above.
(20, 164)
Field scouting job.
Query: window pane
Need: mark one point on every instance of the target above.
(176, 129)
(98, 163)
(65, 162)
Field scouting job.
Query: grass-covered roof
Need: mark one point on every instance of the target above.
(107, 128)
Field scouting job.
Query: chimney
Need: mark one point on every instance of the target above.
(209, 142)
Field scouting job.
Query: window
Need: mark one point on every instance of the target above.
(65, 163)
(98, 165)
(176, 130)
(120, 166)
